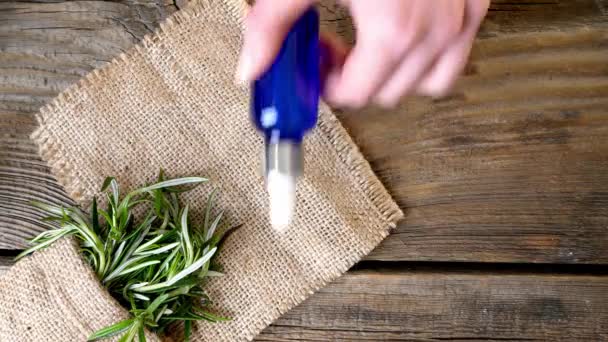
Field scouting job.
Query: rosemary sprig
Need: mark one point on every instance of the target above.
(156, 265)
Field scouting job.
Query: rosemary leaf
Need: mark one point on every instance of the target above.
(154, 265)
(112, 330)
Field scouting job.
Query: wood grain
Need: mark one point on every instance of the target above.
(513, 166)
(422, 304)
(45, 47)
(510, 168)
(451, 306)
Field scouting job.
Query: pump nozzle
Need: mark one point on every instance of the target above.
(283, 165)
(284, 107)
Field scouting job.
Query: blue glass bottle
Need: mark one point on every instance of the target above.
(286, 97)
(284, 108)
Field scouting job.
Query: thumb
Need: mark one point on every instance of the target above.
(266, 26)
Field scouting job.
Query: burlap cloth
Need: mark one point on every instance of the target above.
(171, 103)
(54, 295)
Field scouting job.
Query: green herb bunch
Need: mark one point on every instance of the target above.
(155, 265)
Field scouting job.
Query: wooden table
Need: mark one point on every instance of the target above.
(504, 183)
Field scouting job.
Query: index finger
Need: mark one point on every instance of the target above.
(266, 26)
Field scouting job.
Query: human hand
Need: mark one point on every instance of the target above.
(402, 47)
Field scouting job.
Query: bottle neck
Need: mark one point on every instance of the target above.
(285, 157)
(276, 136)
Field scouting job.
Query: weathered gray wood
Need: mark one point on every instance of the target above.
(45, 47)
(436, 305)
(511, 168)
(429, 306)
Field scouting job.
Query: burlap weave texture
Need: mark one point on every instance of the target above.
(54, 295)
(172, 103)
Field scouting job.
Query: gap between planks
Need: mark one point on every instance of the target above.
(438, 303)
(435, 306)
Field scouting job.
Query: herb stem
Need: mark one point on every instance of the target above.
(156, 268)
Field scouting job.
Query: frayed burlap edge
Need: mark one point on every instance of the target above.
(49, 147)
(76, 293)
(332, 130)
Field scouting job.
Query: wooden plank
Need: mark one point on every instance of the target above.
(511, 168)
(539, 14)
(421, 304)
(452, 306)
(45, 47)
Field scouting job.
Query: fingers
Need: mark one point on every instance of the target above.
(407, 75)
(447, 68)
(333, 54)
(445, 24)
(402, 47)
(381, 43)
(398, 44)
(451, 63)
(363, 73)
(266, 26)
